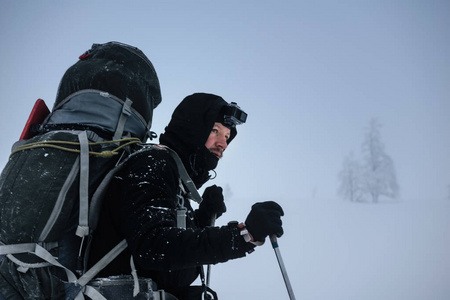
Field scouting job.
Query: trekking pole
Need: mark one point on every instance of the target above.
(208, 269)
(273, 240)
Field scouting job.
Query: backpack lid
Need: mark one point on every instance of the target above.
(118, 69)
(98, 109)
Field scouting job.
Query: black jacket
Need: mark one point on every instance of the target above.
(141, 207)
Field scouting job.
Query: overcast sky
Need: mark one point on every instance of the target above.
(310, 75)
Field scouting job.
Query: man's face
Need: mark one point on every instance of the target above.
(217, 140)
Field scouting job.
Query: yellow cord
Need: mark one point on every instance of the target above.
(54, 144)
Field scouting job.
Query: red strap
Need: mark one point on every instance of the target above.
(38, 114)
(85, 55)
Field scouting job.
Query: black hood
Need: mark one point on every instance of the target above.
(189, 130)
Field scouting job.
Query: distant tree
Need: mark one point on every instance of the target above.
(378, 173)
(350, 177)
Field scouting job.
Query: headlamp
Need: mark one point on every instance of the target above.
(233, 115)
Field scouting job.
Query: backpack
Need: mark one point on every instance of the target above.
(52, 186)
(54, 163)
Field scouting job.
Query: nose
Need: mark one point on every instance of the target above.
(221, 142)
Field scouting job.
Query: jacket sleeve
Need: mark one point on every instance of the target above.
(148, 216)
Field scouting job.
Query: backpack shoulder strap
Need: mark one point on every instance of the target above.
(183, 174)
(97, 200)
(99, 195)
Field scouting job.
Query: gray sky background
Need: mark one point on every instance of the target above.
(311, 75)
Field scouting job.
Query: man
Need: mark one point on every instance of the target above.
(146, 197)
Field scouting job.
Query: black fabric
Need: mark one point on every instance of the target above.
(30, 185)
(264, 220)
(200, 163)
(119, 69)
(212, 205)
(36, 283)
(141, 207)
(196, 293)
(189, 130)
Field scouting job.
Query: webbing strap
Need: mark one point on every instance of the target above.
(17, 248)
(25, 247)
(185, 177)
(23, 267)
(102, 263)
(39, 252)
(99, 194)
(93, 293)
(83, 226)
(136, 288)
(126, 112)
(60, 201)
(42, 253)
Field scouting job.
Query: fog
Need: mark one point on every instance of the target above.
(341, 250)
(310, 75)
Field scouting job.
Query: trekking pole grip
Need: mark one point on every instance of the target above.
(274, 241)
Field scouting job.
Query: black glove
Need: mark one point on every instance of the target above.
(264, 219)
(212, 205)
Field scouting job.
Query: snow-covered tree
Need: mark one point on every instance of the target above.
(379, 177)
(350, 177)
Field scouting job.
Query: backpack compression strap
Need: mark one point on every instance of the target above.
(83, 225)
(126, 112)
(40, 252)
(102, 110)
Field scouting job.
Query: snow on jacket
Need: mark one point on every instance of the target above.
(141, 207)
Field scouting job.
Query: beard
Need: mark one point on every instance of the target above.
(218, 152)
(201, 162)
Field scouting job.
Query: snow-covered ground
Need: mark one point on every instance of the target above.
(337, 250)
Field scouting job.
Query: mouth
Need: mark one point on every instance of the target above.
(217, 152)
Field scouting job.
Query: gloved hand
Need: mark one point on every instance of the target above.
(264, 219)
(212, 205)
